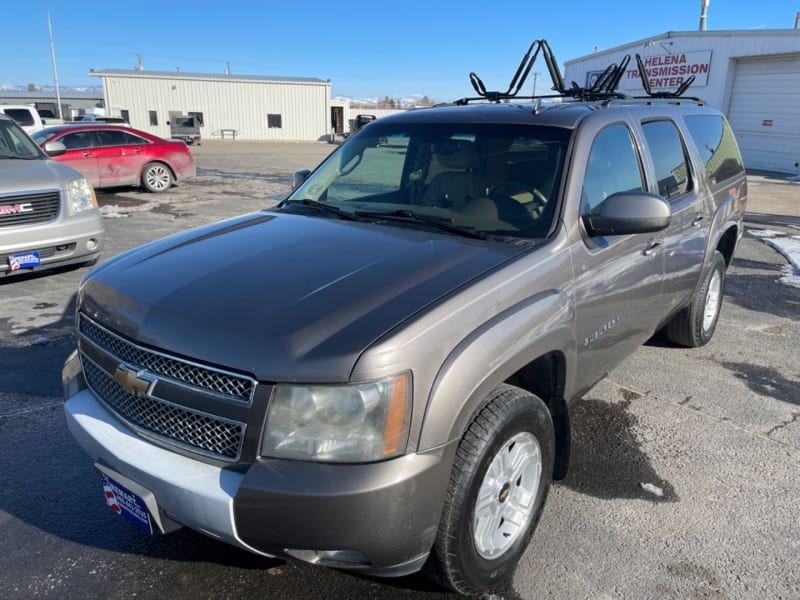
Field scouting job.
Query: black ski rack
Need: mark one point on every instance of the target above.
(604, 88)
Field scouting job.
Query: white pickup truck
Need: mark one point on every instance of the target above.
(25, 115)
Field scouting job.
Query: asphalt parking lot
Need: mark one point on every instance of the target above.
(684, 481)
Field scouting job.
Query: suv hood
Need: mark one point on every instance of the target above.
(282, 296)
(20, 176)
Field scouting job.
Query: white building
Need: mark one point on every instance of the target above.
(753, 76)
(245, 106)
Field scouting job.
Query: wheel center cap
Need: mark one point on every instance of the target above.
(504, 492)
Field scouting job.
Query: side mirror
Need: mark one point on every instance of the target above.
(299, 177)
(55, 148)
(627, 213)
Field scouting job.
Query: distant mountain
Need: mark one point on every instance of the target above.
(408, 101)
(15, 87)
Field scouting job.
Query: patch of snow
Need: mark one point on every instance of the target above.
(789, 247)
(652, 489)
(112, 212)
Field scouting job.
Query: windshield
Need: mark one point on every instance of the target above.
(491, 179)
(15, 143)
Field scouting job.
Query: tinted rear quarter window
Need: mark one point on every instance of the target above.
(717, 146)
(669, 158)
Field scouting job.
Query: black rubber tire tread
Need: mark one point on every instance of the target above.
(507, 406)
(686, 327)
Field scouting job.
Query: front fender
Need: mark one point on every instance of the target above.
(491, 354)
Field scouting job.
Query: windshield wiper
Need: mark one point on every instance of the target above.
(321, 207)
(441, 223)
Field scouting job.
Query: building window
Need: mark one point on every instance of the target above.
(125, 115)
(198, 117)
(274, 121)
(153, 117)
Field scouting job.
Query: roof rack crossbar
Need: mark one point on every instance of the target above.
(603, 88)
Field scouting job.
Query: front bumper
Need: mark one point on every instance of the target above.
(72, 240)
(379, 518)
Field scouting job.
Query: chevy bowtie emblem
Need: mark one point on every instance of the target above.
(138, 383)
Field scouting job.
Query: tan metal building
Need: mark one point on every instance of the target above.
(753, 76)
(246, 107)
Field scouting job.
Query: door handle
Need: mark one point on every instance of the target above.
(698, 221)
(85, 153)
(652, 247)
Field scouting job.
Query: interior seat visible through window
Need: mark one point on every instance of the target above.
(462, 181)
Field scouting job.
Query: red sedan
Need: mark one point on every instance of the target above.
(112, 155)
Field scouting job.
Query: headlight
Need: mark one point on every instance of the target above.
(361, 422)
(80, 195)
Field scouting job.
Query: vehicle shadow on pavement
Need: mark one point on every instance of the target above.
(31, 362)
(760, 293)
(766, 382)
(607, 461)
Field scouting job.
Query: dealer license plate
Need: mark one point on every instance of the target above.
(27, 260)
(124, 502)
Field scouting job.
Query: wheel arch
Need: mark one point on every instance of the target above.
(727, 243)
(533, 349)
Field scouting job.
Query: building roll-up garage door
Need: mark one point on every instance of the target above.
(765, 112)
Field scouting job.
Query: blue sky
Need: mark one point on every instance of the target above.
(367, 49)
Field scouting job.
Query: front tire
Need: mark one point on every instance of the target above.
(498, 486)
(694, 325)
(156, 177)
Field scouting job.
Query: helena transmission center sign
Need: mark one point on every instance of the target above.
(665, 71)
(668, 71)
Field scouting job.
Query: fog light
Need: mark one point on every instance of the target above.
(91, 244)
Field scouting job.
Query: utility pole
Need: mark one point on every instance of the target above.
(703, 10)
(55, 71)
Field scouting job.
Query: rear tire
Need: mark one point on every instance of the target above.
(694, 325)
(156, 177)
(498, 486)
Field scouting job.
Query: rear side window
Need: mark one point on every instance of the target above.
(114, 137)
(613, 167)
(717, 146)
(20, 115)
(78, 139)
(669, 158)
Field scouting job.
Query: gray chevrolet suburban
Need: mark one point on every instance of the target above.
(376, 374)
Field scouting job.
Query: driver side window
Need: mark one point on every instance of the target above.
(613, 167)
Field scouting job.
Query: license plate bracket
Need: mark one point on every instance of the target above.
(25, 260)
(124, 502)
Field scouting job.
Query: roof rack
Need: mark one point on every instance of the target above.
(604, 88)
(679, 91)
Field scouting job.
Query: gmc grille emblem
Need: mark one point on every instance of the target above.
(138, 383)
(13, 209)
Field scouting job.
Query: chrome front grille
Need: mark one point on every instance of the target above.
(148, 412)
(210, 435)
(227, 385)
(29, 208)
